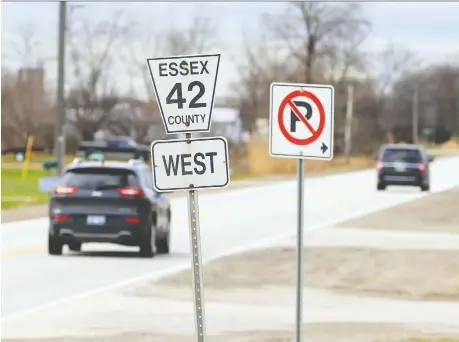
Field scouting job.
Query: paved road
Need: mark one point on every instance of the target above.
(229, 220)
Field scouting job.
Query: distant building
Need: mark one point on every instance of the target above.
(225, 122)
(32, 81)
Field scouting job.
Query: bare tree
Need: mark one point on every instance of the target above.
(198, 37)
(143, 44)
(437, 102)
(392, 63)
(260, 66)
(25, 105)
(24, 50)
(93, 51)
(309, 30)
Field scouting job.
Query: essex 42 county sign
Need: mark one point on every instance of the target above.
(301, 121)
(190, 164)
(185, 90)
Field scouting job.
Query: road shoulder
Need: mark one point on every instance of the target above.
(353, 293)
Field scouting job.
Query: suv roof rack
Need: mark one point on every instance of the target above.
(76, 161)
(136, 161)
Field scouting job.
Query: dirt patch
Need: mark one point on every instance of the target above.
(438, 212)
(323, 332)
(407, 274)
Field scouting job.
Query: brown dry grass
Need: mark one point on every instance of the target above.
(452, 144)
(398, 274)
(261, 163)
(318, 332)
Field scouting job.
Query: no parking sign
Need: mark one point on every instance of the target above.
(301, 121)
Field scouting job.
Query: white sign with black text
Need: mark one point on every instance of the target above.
(182, 164)
(185, 90)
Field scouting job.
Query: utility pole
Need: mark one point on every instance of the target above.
(59, 139)
(348, 125)
(457, 105)
(415, 122)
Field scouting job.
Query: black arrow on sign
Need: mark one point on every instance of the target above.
(324, 148)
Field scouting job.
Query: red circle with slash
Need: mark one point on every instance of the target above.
(288, 101)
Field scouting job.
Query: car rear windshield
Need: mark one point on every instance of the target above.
(402, 155)
(100, 178)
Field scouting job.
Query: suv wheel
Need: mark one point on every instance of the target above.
(425, 187)
(54, 246)
(381, 186)
(147, 245)
(162, 244)
(75, 246)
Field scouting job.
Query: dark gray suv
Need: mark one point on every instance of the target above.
(403, 164)
(108, 201)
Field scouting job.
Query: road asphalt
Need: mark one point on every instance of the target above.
(229, 222)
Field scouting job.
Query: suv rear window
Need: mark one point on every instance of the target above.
(100, 178)
(402, 155)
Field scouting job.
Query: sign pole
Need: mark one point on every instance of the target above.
(196, 264)
(299, 250)
(301, 127)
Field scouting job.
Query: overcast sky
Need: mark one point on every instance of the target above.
(431, 29)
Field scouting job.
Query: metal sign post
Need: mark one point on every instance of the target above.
(185, 90)
(299, 250)
(301, 126)
(196, 264)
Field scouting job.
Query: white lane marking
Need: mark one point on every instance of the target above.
(154, 276)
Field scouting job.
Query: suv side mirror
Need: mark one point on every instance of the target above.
(431, 159)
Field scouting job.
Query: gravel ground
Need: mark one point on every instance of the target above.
(402, 274)
(438, 212)
(323, 332)
(407, 274)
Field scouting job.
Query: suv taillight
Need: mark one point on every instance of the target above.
(64, 190)
(379, 166)
(132, 192)
(422, 168)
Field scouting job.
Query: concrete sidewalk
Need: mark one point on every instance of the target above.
(380, 239)
(226, 311)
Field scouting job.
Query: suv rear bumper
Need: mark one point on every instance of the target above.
(409, 180)
(127, 235)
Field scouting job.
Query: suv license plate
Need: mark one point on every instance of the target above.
(95, 220)
(400, 168)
